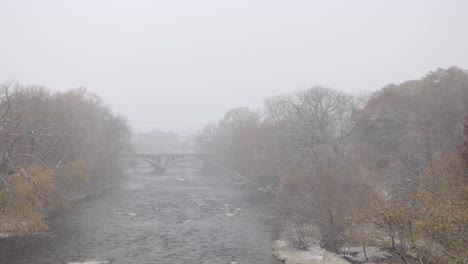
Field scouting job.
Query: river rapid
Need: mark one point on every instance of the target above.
(181, 216)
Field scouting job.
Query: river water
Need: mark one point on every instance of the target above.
(182, 216)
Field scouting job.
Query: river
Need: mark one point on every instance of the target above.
(181, 216)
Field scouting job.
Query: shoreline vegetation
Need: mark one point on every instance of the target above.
(365, 177)
(55, 148)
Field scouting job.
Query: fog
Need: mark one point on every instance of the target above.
(180, 64)
(239, 132)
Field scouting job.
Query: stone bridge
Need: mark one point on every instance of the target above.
(162, 161)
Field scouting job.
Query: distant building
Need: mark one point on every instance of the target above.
(156, 141)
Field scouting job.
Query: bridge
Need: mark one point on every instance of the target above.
(162, 161)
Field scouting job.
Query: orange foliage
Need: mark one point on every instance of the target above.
(24, 201)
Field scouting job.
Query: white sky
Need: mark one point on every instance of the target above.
(174, 64)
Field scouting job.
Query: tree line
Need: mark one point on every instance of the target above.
(54, 148)
(386, 170)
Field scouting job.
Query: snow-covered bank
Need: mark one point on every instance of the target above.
(315, 255)
(358, 255)
(4, 235)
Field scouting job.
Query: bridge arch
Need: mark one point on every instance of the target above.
(162, 161)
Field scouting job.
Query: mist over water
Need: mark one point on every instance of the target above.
(301, 132)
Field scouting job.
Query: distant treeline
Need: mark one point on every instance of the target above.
(386, 170)
(54, 147)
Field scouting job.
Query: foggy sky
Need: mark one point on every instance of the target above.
(179, 64)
